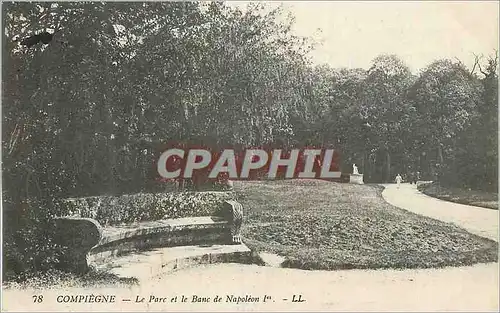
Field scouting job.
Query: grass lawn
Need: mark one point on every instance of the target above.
(322, 225)
(471, 197)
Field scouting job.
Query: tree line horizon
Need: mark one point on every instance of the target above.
(84, 113)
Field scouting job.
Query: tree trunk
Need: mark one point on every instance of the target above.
(363, 163)
(440, 154)
(388, 163)
(111, 153)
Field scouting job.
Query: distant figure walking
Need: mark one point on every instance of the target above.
(398, 180)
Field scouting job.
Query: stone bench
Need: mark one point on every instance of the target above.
(84, 240)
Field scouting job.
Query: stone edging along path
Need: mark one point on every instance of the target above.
(480, 221)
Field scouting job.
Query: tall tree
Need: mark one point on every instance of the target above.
(445, 96)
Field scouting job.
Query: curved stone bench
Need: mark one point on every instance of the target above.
(85, 241)
(76, 237)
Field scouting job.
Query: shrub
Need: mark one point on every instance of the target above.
(28, 245)
(112, 210)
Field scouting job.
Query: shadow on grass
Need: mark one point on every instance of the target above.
(54, 279)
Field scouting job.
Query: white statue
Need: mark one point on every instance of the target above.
(354, 169)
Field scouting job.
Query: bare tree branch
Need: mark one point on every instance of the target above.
(481, 70)
(476, 63)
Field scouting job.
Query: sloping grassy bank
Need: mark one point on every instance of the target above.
(479, 198)
(321, 225)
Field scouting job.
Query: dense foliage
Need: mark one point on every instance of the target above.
(88, 113)
(126, 209)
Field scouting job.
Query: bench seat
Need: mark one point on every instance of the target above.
(114, 233)
(119, 240)
(83, 240)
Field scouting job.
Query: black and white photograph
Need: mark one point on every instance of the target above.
(250, 156)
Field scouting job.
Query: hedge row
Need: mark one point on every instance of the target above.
(113, 210)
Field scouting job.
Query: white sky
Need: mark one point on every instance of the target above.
(355, 32)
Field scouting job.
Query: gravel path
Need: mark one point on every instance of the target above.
(473, 288)
(477, 220)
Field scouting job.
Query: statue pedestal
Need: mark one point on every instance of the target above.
(356, 179)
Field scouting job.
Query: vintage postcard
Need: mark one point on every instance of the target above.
(250, 156)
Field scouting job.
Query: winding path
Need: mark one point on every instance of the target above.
(477, 220)
(472, 288)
